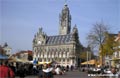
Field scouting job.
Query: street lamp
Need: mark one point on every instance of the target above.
(87, 59)
(88, 49)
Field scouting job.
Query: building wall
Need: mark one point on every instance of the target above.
(116, 55)
(63, 54)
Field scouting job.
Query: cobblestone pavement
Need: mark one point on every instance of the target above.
(70, 74)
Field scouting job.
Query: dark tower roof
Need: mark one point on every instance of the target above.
(5, 45)
(65, 7)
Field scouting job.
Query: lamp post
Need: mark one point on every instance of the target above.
(87, 59)
(88, 48)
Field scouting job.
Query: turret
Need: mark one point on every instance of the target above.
(65, 21)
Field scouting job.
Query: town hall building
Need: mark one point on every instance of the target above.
(64, 48)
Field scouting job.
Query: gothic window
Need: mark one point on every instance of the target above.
(67, 54)
(47, 54)
(60, 54)
(49, 50)
(64, 24)
(67, 49)
(64, 16)
(63, 54)
(55, 49)
(45, 59)
(39, 53)
(63, 60)
(39, 59)
(59, 59)
(67, 60)
(48, 59)
(46, 50)
(57, 54)
(43, 56)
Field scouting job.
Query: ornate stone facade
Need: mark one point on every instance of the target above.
(63, 48)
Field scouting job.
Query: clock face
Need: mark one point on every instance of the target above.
(39, 42)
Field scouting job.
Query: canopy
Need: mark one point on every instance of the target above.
(3, 57)
(91, 62)
(44, 62)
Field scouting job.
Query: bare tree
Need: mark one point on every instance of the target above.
(97, 35)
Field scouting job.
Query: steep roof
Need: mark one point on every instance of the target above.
(59, 39)
(113, 35)
(118, 37)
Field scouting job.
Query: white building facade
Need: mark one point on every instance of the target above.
(63, 48)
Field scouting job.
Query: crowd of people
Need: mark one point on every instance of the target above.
(105, 71)
(49, 70)
(9, 70)
(6, 71)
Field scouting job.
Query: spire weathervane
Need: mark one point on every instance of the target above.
(65, 2)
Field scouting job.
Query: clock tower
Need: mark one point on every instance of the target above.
(64, 48)
(64, 21)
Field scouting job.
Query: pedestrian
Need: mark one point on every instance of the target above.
(21, 71)
(12, 67)
(5, 71)
(58, 70)
(48, 71)
(40, 74)
(51, 70)
(35, 70)
(67, 68)
(71, 67)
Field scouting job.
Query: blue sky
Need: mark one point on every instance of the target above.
(20, 19)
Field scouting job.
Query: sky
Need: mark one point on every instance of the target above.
(21, 19)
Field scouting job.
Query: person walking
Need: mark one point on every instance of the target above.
(21, 71)
(5, 71)
(48, 71)
(40, 74)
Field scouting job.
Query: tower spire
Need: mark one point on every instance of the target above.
(65, 20)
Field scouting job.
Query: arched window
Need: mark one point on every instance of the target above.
(63, 60)
(67, 54)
